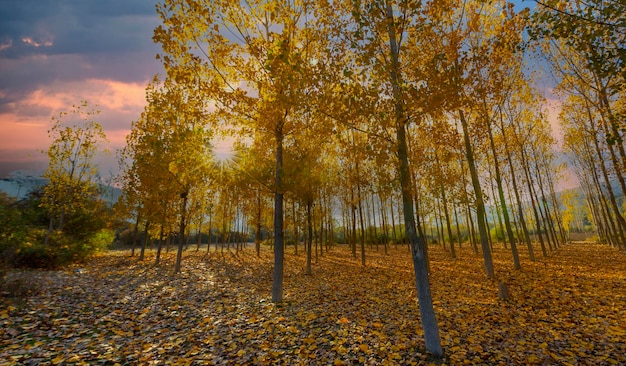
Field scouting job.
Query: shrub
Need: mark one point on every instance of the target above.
(35, 256)
(24, 225)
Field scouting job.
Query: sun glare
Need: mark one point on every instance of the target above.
(223, 149)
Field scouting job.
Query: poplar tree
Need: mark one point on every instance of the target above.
(256, 61)
(72, 170)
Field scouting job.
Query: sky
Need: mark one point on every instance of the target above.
(55, 53)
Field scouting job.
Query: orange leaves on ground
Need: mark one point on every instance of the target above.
(567, 309)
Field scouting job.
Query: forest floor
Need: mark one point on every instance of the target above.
(568, 308)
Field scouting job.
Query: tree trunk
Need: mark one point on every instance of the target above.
(445, 211)
(458, 227)
(353, 241)
(358, 190)
(257, 232)
(374, 223)
(621, 223)
(505, 211)
(520, 210)
(439, 224)
(208, 245)
(51, 226)
(144, 242)
(309, 237)
(296, 233)
(420, 266)
(279, 246)
(135, 234)
(542, 216)
(181, 242)
(472, 231)
(480, 205)
(393, 224)
(530, 184)
(159, 246)
(383, 215)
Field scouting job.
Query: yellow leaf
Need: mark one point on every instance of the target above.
(616, 331)
(58, 360)
(74, 358)
(364, 347)
(532, 359)
(123, 333)
(241, 352)
(343, 321)
(337, 362)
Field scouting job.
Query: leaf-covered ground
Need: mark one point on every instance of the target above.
(567, 309)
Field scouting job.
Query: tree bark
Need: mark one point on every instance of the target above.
(529, 182)
(257, 232)
(181, 242)
(480, 205)
(505, 211)
(418, 252)
(362, 225)
(279, 245)
(520, 209)
(144, 242)
(309, 238)
(159, 246)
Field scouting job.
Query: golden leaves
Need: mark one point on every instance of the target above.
(567, 309)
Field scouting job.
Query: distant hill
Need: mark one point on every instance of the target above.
(21, 187)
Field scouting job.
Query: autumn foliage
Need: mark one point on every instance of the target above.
(369, 124)
(568, 308)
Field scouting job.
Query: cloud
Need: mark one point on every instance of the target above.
(55, 53)
(6, 44)
(31, 42)
(25, 122)
(58, 95)
(46, 41)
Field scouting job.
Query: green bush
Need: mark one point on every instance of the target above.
(61, 249)
(24, 226)
(35, 256)
(13, 230)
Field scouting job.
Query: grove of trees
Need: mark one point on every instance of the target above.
(375, 124)
(378, 122)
